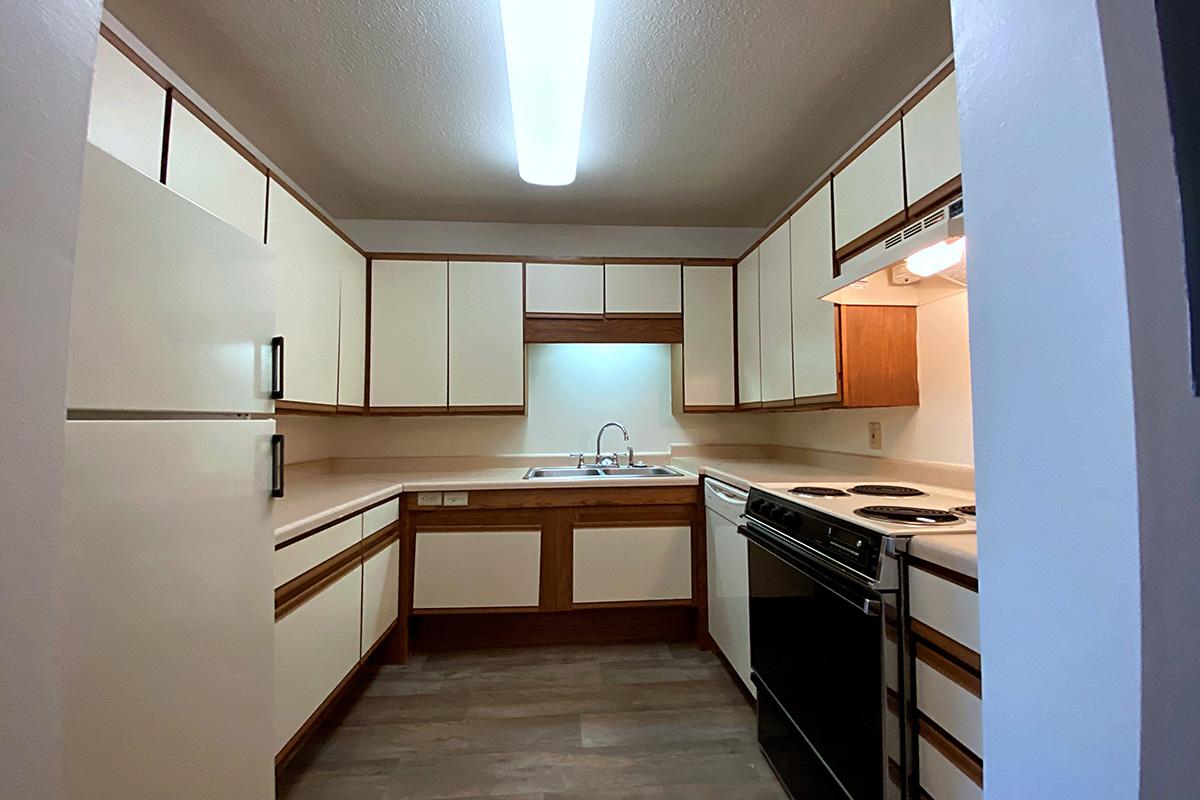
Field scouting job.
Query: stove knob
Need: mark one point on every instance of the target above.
(757, 506)
(779, 514)
(790, 518)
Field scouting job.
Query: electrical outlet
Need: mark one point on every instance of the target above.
(429, 498)
(455, 498)
(875, 435)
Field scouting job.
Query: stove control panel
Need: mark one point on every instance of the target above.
(855, 548)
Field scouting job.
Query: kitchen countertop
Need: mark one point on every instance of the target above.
(314, 499)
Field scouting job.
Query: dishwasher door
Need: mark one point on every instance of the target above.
(728, 576)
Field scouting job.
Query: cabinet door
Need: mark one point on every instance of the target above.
(477, 569)
(564, 289)
(708, 339)
(308, 303)
(749, 368)
(487, 344)
(642, 289)
(775, 316)
(352, 327)
(127, 111)
(381, 594)
(814, 336)
(932, 157)
(868, 192)
(316, 645)
(171, 308)
(202, 167)
(619, 564)
(409, 307)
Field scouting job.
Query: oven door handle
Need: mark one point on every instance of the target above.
(866, 604)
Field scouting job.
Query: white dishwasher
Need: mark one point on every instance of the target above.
(728, 576)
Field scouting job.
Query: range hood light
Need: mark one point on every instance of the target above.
(936, 257)
(546, 45)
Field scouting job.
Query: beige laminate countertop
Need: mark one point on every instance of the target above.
(954, 551)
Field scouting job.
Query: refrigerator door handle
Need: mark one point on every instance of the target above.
(277, 368)
(277, 465)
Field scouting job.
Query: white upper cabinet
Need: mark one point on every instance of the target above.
(487, 345)
(775, 315)
(352, 340)
(409, 307)
(564, 289)
(202, 167)
(171, 308)
(749, 372)
(309, 304)
(127, 111)
(642, 289)
(814, 338)
(869, 190)
(708, 337)
(931, 150)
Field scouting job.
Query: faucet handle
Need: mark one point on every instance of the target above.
(579, 462)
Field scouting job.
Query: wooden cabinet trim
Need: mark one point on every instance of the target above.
(639, 329)
(534, 499)
(945, 573)
(112, 38)
(964, 655)
(928, 87)
(955, 752)
(380, 540)
(302, 588)
(949, 667)
(527, 259)
(868, 239)
(301, 407)
(938, 197)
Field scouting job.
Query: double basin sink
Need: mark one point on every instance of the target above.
(602, 472)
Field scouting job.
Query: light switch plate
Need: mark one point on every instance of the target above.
(429, 498)
(875, 435)
(455, 498)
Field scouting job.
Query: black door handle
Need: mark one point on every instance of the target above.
(277, 465)
(277, 368)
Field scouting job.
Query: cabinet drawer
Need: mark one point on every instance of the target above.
(381, 594)
(940, 778)
(944, 606)
(564, 289)
(642, 289)
(622, 564)
(477, 569)
(377, 518)
(316, 646)
(956, 709)
(296, 558)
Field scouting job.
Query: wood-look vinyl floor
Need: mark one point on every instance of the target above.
(646, 721)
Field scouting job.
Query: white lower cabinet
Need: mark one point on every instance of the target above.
(316, 646)
(626, 564)
(729, 586)
(477, 569)
(380, 594)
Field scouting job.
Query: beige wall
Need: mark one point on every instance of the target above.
(573, 390)
(938, 430)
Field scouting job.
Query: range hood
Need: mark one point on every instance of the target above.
(918, 264)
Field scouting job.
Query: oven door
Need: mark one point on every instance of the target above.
(817, 657)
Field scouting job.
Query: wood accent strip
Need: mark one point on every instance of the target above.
(340, 409)
(678, 601)
(878, 351)
(749, 406)
(883, 127)
(643, 315)
(639, 329)
(221, 133)
(963, 759)
(959, 652)
(956, 672)
(778, 403)
(945, 573)
(367, 342)
(556, 561)
(408, 411)
(634, 516)
(561, 497)
(116, 41)
(435, 633)
(300, 407)
(300, 589)
(380, 540)
(554, 315)
(938, 197)
(870, 238)
(166, 138)
(486, 410)
(709, 409)
(927, 87)
(390, 255)
(419, 612)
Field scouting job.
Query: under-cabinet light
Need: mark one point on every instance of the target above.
(546, 45)
(936, 257)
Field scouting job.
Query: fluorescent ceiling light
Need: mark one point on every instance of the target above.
(936, 257)
(547, 43)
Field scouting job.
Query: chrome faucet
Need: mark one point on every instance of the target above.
(611, 460)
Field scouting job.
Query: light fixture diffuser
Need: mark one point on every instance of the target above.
(936, 258)
(546, 45)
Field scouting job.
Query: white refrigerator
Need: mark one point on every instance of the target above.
(170, 470)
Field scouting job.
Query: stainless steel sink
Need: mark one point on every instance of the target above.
(601, 473)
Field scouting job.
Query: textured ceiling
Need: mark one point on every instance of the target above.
(699, 112)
